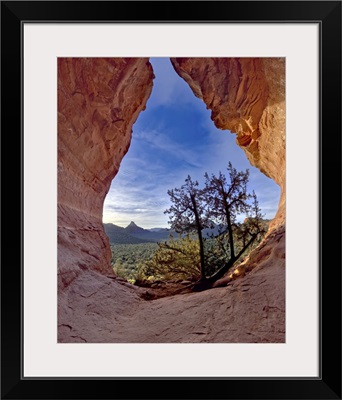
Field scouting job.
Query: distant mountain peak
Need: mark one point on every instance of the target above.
(134, 234)
(134, 228)
(132, 223)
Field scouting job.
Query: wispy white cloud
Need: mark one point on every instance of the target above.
(162, 142)
(168, 87)
(223, 148)
(139, 192)
(158, 160)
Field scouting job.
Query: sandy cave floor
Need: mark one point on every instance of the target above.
(99, 309)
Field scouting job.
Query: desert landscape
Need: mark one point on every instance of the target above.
(99, 100)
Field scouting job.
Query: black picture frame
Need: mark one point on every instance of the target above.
(328, 385)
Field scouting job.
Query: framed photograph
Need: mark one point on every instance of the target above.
(171, 200)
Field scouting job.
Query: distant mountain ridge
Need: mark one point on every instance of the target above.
(134, 234)
(134, 229)
(118, 235)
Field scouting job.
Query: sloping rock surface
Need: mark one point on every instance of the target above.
(97, 309)
(98, 101)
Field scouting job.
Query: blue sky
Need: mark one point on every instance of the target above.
(174, 137)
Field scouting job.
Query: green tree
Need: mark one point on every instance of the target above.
(227, 199)
(175, 259)
(119, 269)
(221, 201)
(188, 214)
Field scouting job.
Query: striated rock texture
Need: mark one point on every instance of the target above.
(96, 309)
(247, 97)
(99, 99)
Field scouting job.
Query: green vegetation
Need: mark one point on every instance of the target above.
(128, 258)
(180, 259)
(119, 235)
(219, 203)
(175, 259)
(210, 239)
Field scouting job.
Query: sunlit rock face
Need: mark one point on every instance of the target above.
(99, 99)
(98, 102)
(247, 97)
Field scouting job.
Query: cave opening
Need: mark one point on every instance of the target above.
(172, 138)
(99, 101)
